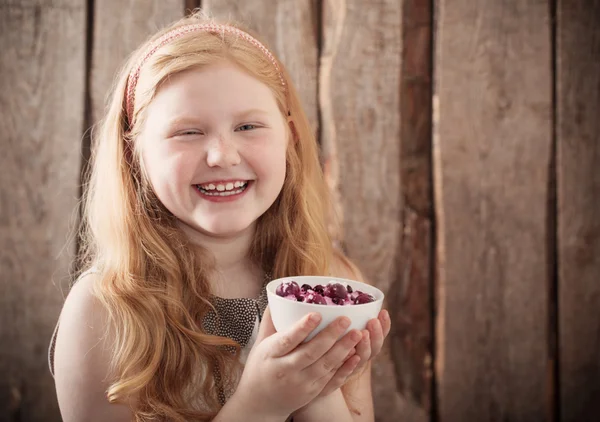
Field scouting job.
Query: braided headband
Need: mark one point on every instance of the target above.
(177, 33)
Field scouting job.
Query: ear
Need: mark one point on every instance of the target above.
(292, 127)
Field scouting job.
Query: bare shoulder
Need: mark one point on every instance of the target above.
(82, 357)
(343, 267)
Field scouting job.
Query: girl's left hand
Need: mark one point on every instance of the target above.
(372, 340)
(369, 347)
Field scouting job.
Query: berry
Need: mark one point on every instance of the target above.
(288, 288)
(315, 298)
(305, 288)
(363, 298)
(336, 290)
(319, 289)
(349, 288)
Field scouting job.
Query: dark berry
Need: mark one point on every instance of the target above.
(349, 288)
(288, 288)
(299, 298)
(315, 298)
(336, 290)
(305, 288)
(337, 301)
(319, 289)
(363, 298)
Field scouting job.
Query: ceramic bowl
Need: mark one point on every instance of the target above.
(285, 312)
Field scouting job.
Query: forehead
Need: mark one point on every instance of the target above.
(214, 89)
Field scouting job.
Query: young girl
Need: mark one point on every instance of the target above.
(205, 184)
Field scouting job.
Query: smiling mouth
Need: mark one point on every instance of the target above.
(223, 189)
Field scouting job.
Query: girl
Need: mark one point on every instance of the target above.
(205, 184)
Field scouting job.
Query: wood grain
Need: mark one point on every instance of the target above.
(492, 149)
(289, 28)
(359, 98)
(578, 216)
(119, 28)
(411, 338)
(41, 98)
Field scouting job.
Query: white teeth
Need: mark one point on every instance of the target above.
(222, 189)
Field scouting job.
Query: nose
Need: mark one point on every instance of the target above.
(222, 153)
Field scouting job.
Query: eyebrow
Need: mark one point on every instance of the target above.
(186, 119)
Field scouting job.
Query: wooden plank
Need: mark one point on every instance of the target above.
(119, 28)
(578, 217)
(42, 95)
(359, 98)
(492, 148)
(288, 28)
(412, 338)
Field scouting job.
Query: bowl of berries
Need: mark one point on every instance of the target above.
(291, 298)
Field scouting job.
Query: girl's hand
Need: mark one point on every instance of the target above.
(282, 375)
(369, 347)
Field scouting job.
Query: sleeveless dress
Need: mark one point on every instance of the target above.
(239, 320)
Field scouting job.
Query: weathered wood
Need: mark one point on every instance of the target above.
(492, 148)
(359, 99)
(578, 216)
(119, 28)
(411, 338)
(42, 96)
(191, 5)
(289, 28)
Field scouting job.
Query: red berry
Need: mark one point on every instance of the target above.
(363, 298)
(315, 298)
(336, 290)
(288, 288)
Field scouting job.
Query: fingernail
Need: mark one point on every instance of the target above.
(344, 322)
(314, 318)
(386, 316)
(355, 336)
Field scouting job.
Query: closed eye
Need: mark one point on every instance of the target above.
(189, 133)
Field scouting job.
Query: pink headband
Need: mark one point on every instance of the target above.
(176, 33)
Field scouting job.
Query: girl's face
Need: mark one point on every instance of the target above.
(214, 148)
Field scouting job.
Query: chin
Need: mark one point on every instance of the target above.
(224, 228)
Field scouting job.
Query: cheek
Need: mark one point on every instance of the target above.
(167, 169)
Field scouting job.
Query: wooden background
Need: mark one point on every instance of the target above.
(461, 139)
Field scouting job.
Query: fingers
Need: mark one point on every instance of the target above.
(331, 361)
(363, 349)
(308, 353)
(376, 334)
(285, 342)
(386, 323)
(341, 375)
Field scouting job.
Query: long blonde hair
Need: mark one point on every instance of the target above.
(153, 282)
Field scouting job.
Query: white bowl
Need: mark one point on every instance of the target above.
(285, 312)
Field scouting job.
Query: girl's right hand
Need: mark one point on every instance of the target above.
(282, 374)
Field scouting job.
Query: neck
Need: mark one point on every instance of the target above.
(231, 253)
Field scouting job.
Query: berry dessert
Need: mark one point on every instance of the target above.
(336, 294)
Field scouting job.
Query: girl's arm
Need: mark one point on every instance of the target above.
(81, 359)
(81, 366)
